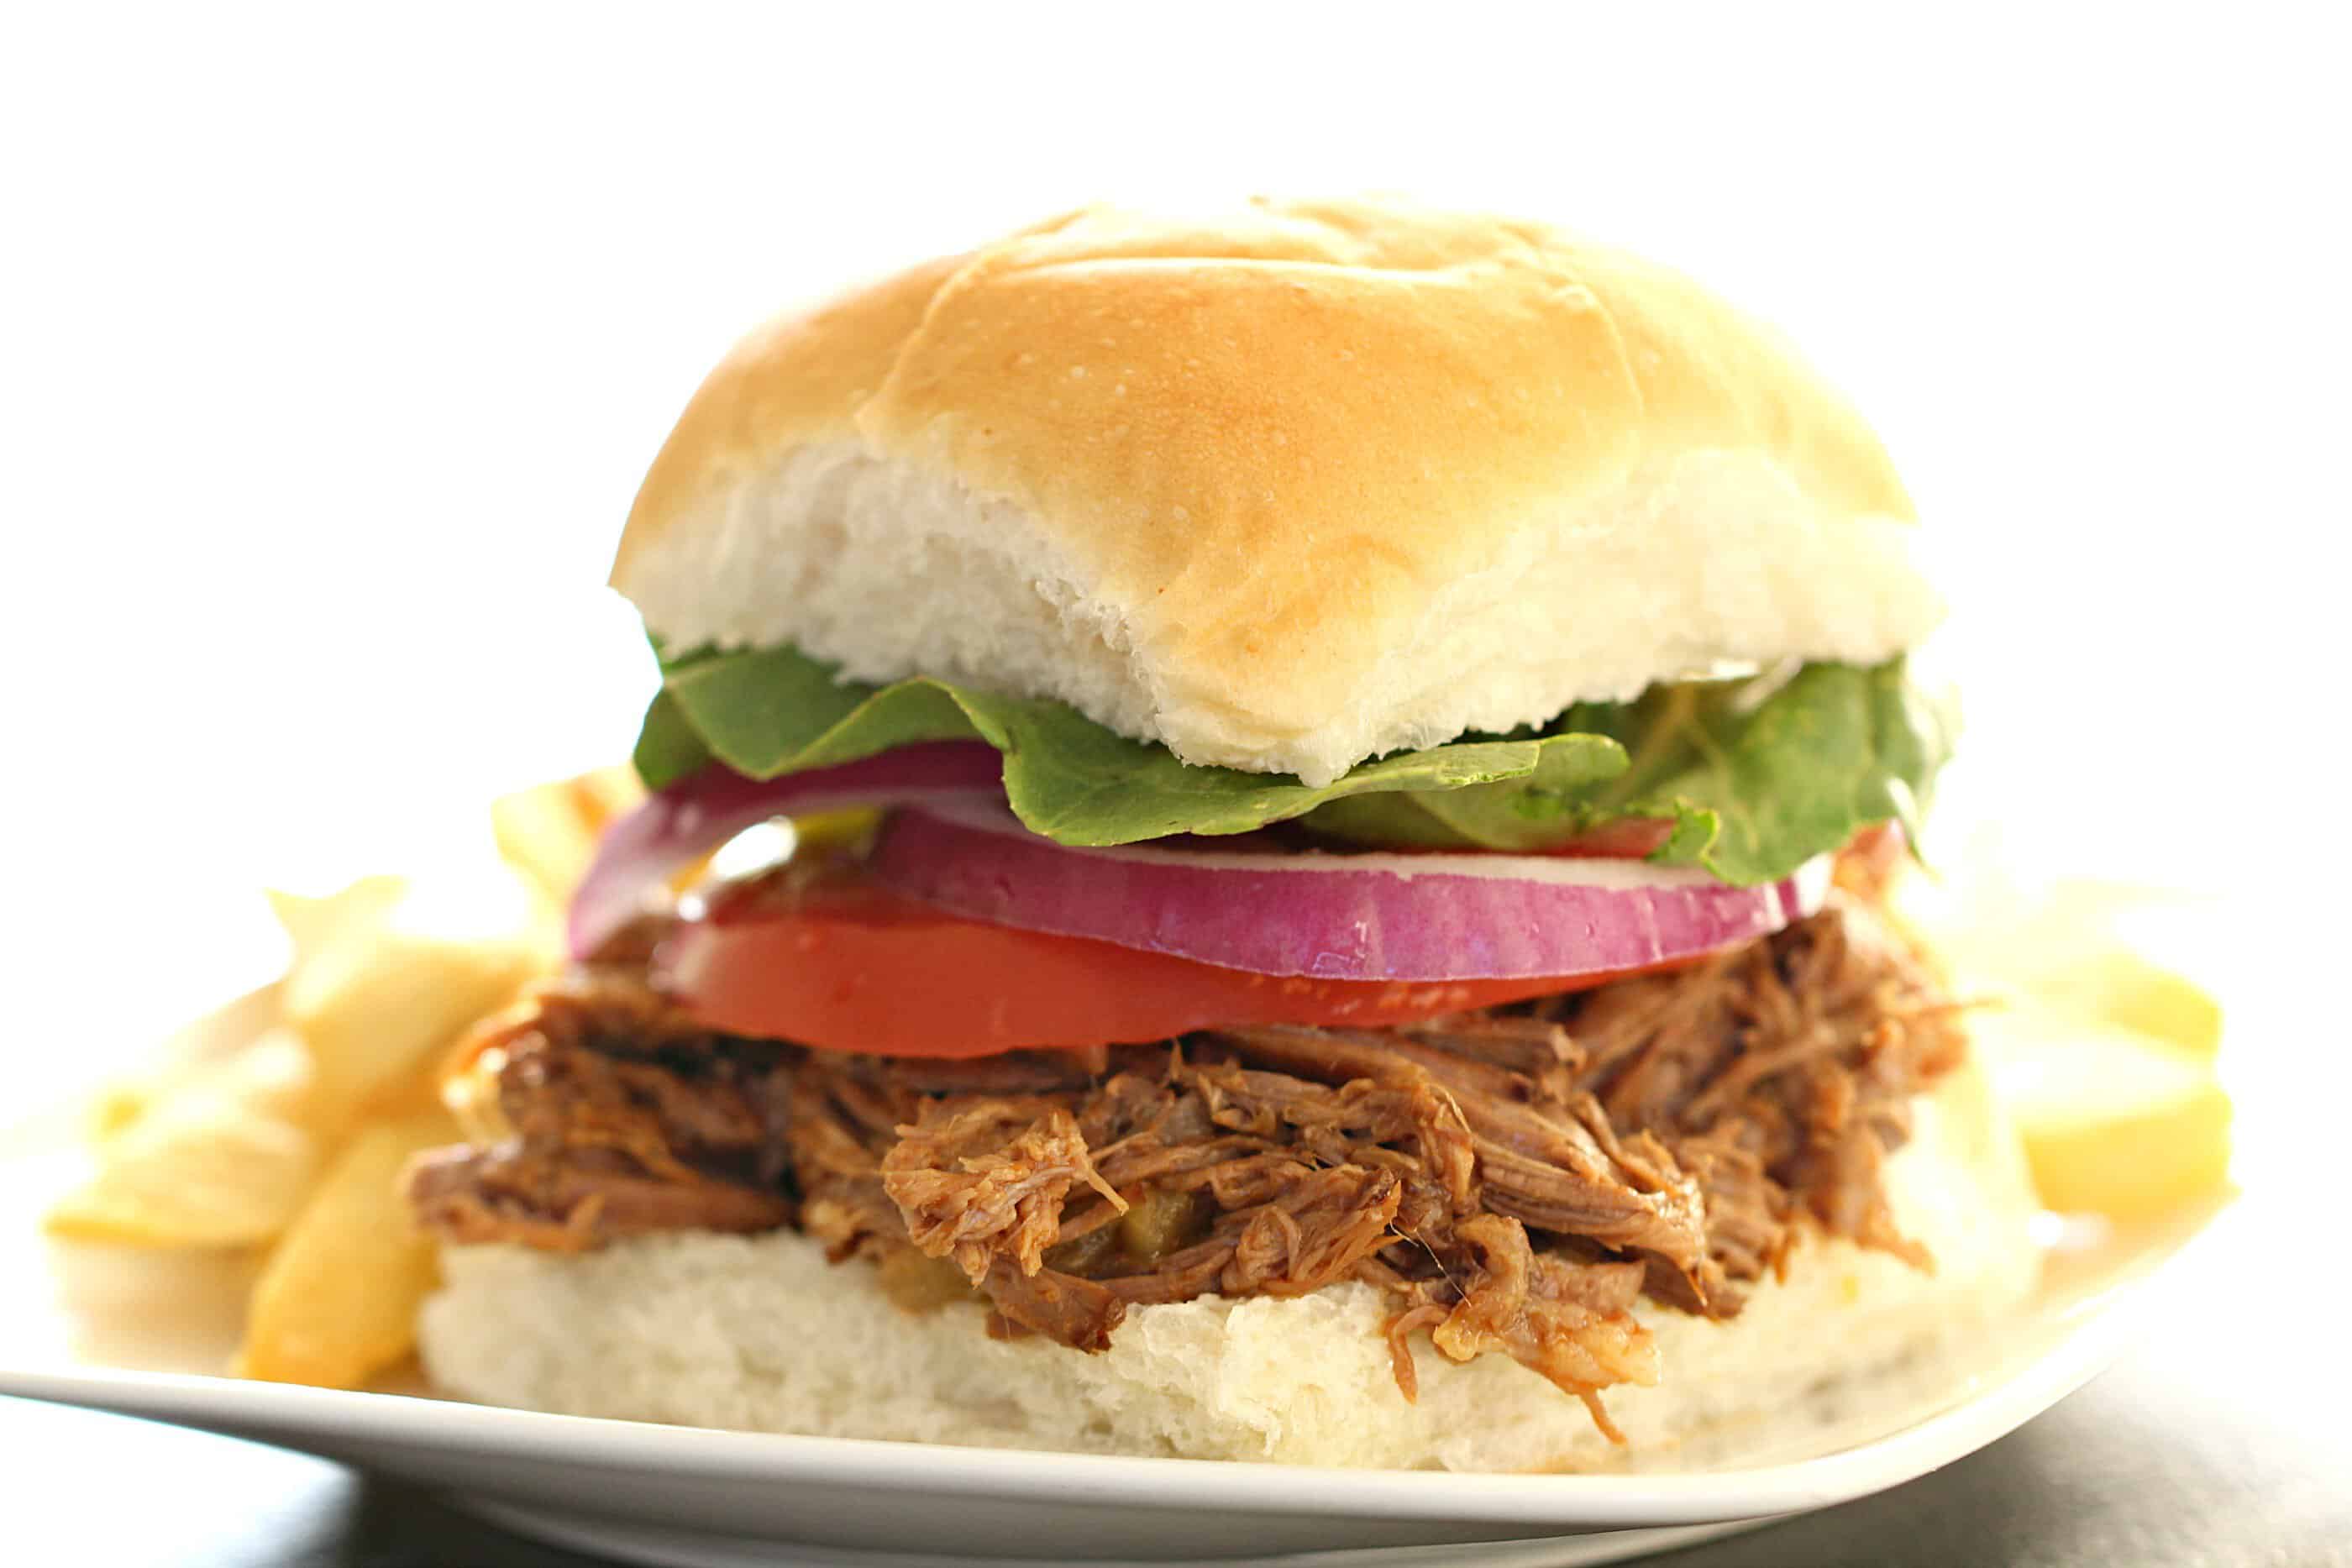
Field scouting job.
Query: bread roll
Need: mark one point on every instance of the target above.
(1282, 488)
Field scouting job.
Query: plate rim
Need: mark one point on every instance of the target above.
(2097, 1329)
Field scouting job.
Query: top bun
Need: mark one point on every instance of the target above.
(1282, 488)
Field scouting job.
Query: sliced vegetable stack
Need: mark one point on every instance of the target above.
(1055, 885)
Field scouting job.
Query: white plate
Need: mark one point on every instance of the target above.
(81, 1326)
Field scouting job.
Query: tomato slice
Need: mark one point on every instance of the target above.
(841, 965)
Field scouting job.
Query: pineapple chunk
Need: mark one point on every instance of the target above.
(2119, 987)
(2115, 1122)
(2080, 948)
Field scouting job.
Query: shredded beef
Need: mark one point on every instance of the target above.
(627, 1119)
(569, 1202)
(1571, 1323)
(977, 1178)
(1515, 1180)
(1078, 1312)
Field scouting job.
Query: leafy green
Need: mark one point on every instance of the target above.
(667, 747)
(1757, 777)
(777, 711)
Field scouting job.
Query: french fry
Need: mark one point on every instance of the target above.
(549, 833)
(606, 793)
(220, 1158)
(313, 925)
(337, 1300)
(118, 1104)
(377, 1004)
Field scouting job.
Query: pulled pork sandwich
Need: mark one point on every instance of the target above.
(1380, 735)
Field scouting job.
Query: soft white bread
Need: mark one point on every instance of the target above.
(1282, 487)
(761, 1333)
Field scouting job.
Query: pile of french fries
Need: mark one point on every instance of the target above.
(295, 1143)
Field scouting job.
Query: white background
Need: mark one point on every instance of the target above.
(333, 342)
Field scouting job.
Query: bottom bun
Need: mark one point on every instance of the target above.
(759, 1332)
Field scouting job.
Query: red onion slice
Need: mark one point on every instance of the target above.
(696, 815)
(1372, 916)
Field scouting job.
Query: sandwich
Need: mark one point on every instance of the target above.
(1269, 839)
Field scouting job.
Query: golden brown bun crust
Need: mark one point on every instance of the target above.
(1260, 451)
(797, 379)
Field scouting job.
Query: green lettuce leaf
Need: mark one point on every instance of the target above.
(1757, 779)
(776, 711)
(667, 747)
(1758, 775)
